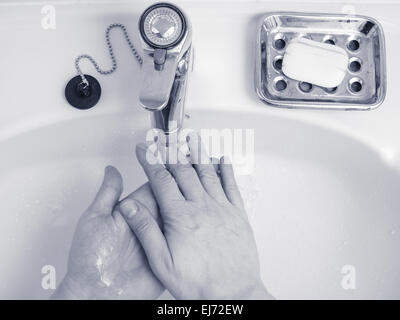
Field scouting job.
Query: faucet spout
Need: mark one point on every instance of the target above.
(166, 41)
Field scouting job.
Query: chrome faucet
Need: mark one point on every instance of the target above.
(166, 38)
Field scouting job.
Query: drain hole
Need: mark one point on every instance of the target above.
(330, 40)
(353, 45)
(305, 86)
(279, 42)
(355, 65)
(355, 85)
(280, 84)
(278, 63)
(331, 90)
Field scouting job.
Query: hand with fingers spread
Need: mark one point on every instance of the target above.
(106, 260)
(205, 248)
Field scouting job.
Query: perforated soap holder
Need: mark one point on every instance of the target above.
(364, 85)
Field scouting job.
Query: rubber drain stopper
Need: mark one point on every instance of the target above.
(83, 96)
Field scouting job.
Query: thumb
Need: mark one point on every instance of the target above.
(109, 192)
(146, 229)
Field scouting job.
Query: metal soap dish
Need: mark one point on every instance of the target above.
(364, 86)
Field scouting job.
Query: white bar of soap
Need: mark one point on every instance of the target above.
(315, 62)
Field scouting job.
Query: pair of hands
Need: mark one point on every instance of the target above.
(186, 231)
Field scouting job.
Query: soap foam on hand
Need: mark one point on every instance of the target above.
(315, 62)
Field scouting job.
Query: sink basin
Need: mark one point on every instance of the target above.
(317, 200)
(322, 195)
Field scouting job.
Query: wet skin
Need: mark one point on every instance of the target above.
(106, 260)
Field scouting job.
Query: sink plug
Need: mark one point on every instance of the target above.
(83, 94)
(83, 91)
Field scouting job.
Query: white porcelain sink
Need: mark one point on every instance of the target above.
(323, 194)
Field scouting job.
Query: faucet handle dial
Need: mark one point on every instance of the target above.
(162, 26)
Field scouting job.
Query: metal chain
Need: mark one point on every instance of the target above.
(110, 51)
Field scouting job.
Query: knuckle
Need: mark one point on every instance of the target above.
(162, 174)
(142, 227)
(231, 187)
(110, 189)
(185, 167)
(181, 168)
(209, 176)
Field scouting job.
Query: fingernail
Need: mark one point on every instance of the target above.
(129, 208)
(106, 169)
